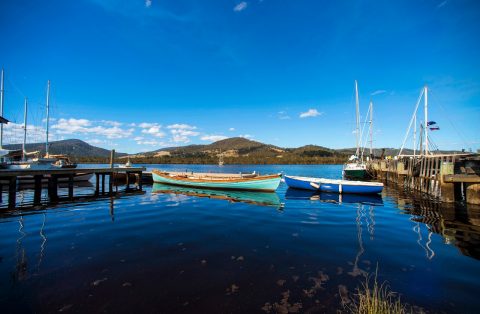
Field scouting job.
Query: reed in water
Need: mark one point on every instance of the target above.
(375, 298)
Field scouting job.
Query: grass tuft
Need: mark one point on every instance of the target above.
(375, 298)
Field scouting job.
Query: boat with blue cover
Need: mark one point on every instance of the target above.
(223, 181)
(332, 185)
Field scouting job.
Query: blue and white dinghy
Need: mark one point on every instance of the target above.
(331, 185)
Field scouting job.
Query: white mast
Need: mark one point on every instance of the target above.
(426, 120)
(357, 113)
(1, 111)
(25, 131)
(415, 135)
(371, 129)
(48, 117)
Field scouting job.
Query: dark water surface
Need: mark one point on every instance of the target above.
(189, 251)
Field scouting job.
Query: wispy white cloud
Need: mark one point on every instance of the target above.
(83, 126)
(112, 123)
(240, 7)
(441, 4)
(13, 133)
(177, 138)
(378, 92)
(213, 138)
(151, 143)
(310, 113)
(181, 126)
(231, 129)
(148, 3)
(145, 125)
(282, 115)
(154, 129)
(246, 136)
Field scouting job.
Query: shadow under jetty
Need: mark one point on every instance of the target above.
(255, 198)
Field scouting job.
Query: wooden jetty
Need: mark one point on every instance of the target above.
(450, 178)
(10, 178)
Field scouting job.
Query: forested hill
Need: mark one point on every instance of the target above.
(72, 147)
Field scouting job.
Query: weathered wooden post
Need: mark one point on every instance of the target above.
(70, 186)
(140, 182)
(97, 184)
(37, 193)
(110, 178)
(400, 173)
(103, 183)
(53, 187)
(447, 190)
(12, 192)
(473, 193)
(127, 181)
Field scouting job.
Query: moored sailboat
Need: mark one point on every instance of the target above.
(356, 168)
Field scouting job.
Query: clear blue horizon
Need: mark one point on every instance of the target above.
(141, 75)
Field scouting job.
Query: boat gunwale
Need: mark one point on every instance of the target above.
(165, 175)
(335, 181)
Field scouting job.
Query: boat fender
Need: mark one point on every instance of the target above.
(315, 185)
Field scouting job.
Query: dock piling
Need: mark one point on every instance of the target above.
(12, 192)
(37, 186)
(70, 186)
(67, 175)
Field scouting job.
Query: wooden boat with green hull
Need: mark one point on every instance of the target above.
(221, 181)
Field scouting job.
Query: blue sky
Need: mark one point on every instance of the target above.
(140, 75)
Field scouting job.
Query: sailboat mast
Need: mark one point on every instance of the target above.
(25, 131)
(426, 120)
(1, 110)
(415, 135)
(357, 114)
(48, 118)
(371, 129)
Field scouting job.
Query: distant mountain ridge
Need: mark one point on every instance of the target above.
(234, 148)
(238, 146)
(70, 147)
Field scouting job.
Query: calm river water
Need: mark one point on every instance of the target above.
(173, 250)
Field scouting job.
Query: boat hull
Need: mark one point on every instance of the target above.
(249, 197)
(356, 174)
(261, 183)
(335, 186)
(301, 194)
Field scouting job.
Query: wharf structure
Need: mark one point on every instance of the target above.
(10, 178)
(448, 177)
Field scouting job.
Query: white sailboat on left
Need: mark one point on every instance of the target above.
(48, 162)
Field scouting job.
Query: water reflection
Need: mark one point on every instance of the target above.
(255, 198)
(297, 194)
(457, 223)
